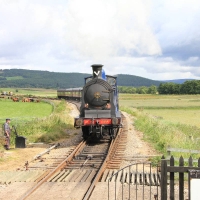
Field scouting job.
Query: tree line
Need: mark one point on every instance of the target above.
(188, 87)
(139, 90)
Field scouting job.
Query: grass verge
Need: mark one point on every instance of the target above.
(162, 134)
(50, 128)
(47, 129)
(21, 112)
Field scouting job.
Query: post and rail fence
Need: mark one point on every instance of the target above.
(190, 151)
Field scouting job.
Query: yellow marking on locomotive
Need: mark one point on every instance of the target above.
(97, 95)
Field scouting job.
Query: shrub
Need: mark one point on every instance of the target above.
(49, 128)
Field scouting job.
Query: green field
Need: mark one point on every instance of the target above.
(31, 91)
(14, 78)
(20, 111)
(166, 120)
(172, 108)
(38, 122)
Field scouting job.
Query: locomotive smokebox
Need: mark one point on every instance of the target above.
(97, 71)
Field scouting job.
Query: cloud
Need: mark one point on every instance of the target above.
(175, 25)
(110, 28)
(29, 26)
(148, 38)
(184, 51)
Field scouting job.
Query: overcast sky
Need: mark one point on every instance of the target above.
(155, 39)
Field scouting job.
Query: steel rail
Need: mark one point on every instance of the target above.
(60, 166)
(102, 169)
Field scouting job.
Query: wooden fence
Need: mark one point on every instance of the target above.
(190, 151)
(171, 169)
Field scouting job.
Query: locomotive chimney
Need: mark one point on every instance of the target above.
(97, 70)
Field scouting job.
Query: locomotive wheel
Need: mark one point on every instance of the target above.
(85, 130)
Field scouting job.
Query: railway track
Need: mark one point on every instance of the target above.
(84, 169)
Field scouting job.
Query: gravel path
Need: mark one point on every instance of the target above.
(137, 150)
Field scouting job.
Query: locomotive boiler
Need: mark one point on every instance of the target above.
(99, 111)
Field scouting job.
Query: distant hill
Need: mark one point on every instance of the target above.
(179, 81)
(21, 78)
(135, 81)
(40, 79)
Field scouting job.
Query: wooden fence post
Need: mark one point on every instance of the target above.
(172, 179)
(181, 179)
(163, 178)
(181, 169)
(190, 164)
(168, 151)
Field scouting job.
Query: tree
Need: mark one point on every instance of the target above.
(142, 90)
(169, 88)
(152, 90)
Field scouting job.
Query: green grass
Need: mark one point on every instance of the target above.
(185, 116)
(20, 111)
(37, 122)
(161, 103)
(162, 134)
(166, 120)
(51, 128)
(32, 91)
(183, 109)
(14, 78)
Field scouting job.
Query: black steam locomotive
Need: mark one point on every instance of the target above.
(99, 111)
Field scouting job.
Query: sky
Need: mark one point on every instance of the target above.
(155, 39)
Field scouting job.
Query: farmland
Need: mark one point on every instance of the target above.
(166, 120)
(31, 91)
(38, 122)
(20, 111)
(183, 109)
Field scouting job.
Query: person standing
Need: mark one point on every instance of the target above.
(7, 132)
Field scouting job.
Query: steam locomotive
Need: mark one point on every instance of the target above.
(99, 110)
